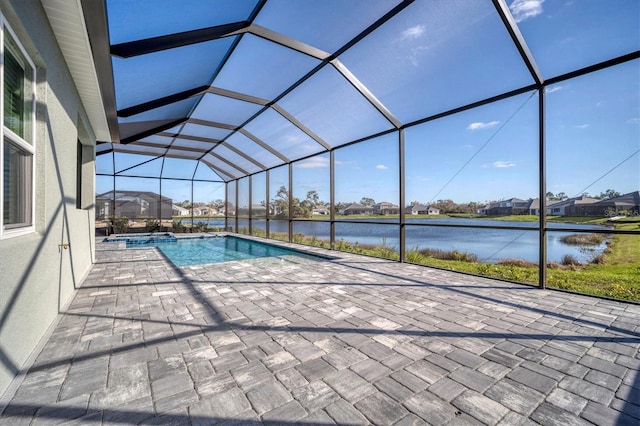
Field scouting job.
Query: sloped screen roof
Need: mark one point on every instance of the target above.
(248, 85)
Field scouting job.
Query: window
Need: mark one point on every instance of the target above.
(84, 176)
(17, 142)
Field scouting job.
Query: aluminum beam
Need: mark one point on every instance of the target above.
(171, 41)
(514, 31)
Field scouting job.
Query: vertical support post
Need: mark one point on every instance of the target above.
(191, 203)
(401, 192)
(160, 189)
(250, 205)
(268, 204)
(193, 176)
(236, 214)
(160, 201)
(113, 159)
(542, 268)
(332, 199)
(290, 196)
(226, 206)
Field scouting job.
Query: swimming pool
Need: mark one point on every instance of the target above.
(203, 250)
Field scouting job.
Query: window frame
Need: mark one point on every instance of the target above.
(7, 136)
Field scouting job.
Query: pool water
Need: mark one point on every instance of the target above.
(200, 251)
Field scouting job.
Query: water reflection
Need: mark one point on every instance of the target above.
(488, 245)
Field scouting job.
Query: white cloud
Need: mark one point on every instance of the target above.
(467, 146)
(381, 167)
(480, 125)
(582, 126)
(413, 33)
(552, 89)
(314, 163)
(311, 186)
(525, 9)
(415, 53)
(501, 164)
(419, 178)
(634, 120)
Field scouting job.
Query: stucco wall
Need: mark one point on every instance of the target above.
(37, 278)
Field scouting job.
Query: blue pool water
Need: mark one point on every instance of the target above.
(200, 251)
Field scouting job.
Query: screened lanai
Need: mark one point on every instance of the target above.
(497, 138)
(419, 200)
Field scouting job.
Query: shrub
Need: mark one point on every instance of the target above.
(569, 260)
(343, 245)
(555, 265)
(178, 227)
(385, 250)
(151, 224)
(518, 262)
(449, 255)
(199, 227)
(414, 256)
(280, 236)
(120, 225)
(258, 232)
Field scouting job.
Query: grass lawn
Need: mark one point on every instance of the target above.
(618, 276)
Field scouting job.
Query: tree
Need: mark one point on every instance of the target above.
(280, 204)
(561, 196)
(471, 207)
(313, 198)
(301, 209)
(305, 207)
(217, 204)
(609, 193)
(340, 206)
(446, 206)
(369, 202)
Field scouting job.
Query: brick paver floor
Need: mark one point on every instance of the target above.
(352, 340)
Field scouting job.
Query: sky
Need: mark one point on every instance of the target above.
(435, 56)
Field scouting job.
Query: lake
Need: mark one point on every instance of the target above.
(489, 245)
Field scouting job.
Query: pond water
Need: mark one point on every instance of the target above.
(489, 245)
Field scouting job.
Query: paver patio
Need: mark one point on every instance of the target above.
(352, 340)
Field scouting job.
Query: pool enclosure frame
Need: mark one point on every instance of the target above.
(95, 14)
(542, 224)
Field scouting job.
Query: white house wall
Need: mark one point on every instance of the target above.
(37, 277)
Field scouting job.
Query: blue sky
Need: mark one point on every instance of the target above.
(435, 56)
(491, 152)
